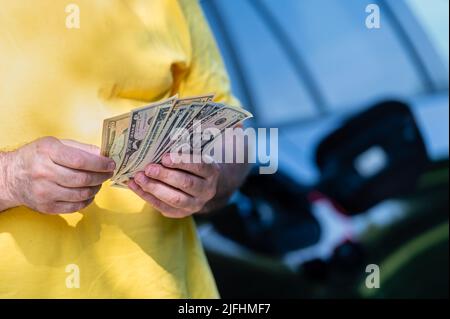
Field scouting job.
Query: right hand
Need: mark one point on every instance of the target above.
(56, 176)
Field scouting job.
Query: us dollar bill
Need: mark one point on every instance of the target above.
(220, 118)
(142, 121)
(207, 145)
(114, 137)
(144, 135)
(198, 111)
(161, 115)
(182, 109)
(193, 109)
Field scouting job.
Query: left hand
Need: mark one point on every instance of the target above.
(177, 190)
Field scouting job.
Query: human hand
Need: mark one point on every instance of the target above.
(177, 190)
(55, 176)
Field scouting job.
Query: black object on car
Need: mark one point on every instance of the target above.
(375, 155)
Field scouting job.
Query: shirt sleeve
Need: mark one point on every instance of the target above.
(206, 72)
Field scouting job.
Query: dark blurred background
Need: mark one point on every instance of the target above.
(363, 119)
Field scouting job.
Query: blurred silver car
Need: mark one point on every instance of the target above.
(304, 66)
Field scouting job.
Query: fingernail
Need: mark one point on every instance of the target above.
(140, 179)
(167, 160)
(152, 170)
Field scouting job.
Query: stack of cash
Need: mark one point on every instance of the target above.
(144, 135)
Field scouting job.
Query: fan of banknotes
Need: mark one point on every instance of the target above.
(145, 134)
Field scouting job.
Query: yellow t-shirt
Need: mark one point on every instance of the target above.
(61, 76)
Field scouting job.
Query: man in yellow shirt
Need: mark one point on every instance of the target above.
(60, 235)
